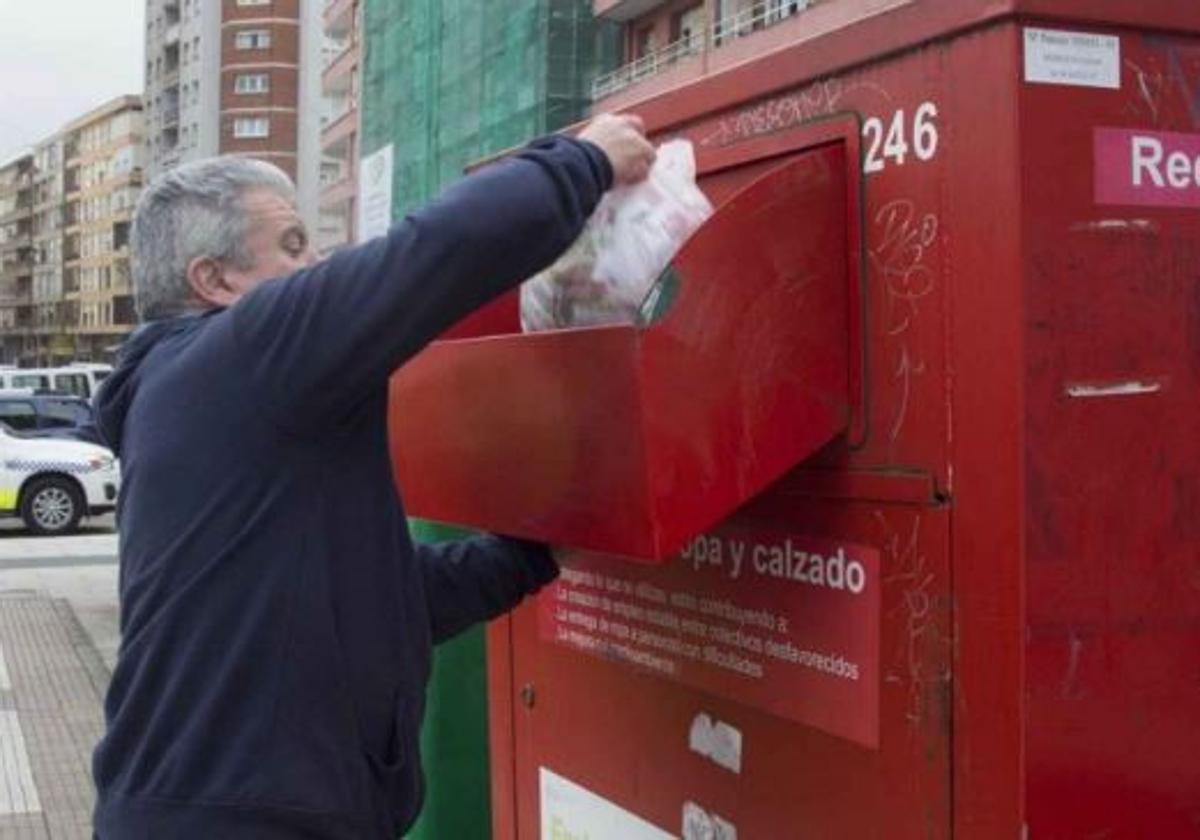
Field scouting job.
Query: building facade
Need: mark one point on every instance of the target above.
(669, 42)
(236, 77)
(104, 152)
(182, 94)
(16, 257)
(50, 343)
(341, 82)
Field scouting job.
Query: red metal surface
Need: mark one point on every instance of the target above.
(1112, 463)
(1028, 465)
(631, 440)
(624, 733)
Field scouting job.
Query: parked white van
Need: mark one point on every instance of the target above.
(79, 379)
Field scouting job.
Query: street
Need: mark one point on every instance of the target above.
(58, 642)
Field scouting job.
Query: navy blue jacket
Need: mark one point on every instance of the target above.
(277, 620)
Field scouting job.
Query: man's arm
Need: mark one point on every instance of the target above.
(318, 341)
(476, 579)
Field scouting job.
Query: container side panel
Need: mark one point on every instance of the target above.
(1112, 181)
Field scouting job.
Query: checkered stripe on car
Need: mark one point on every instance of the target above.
(73, 468)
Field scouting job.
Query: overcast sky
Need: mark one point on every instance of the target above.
(61, 58)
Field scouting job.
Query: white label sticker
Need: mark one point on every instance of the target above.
(1081, 59)
(375, 194)
(716, 740)
(571, 812)
(699, 824)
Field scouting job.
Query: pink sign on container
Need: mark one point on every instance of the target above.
(1147, 168)
(782, 622)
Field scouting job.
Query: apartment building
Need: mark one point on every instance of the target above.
(670, 42)
(182, 95)
(236, 77)
(340, 86)
(50, 343)
(16, 257)
(104, 153)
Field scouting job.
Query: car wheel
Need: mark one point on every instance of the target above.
(52, 505)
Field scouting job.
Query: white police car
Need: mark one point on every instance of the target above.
(52, 483)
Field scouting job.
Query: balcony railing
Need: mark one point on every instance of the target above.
(759, 16)
(648, 65)
(746, 22)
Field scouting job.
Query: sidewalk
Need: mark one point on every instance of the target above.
(51, 689)
(26, 552)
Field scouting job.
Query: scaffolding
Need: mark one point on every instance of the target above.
(448, 82)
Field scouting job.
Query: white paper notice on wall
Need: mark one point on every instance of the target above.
(716, 740)
(701, 824)
(1079, 59)
(571, 812)
(375, 194)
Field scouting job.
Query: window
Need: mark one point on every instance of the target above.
(30, 380)
(252, 83)
(779, 9)
(67, 413)
(18, 416)
(687, 26)
(253, 39)
(251, 127)
(644, 42)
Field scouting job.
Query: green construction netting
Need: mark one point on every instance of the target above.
(448, 82)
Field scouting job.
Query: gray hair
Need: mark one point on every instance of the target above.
(194, 210)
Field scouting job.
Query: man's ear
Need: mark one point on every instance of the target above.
(206, 276)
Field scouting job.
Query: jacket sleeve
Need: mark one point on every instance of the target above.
(476, 579)
(316, 342)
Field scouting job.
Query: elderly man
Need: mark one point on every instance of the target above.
(277, 620)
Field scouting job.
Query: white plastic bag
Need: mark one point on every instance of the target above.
(627, 243)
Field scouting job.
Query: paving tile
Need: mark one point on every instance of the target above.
(50, 719)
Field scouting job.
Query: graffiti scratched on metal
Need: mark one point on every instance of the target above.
(902, 238)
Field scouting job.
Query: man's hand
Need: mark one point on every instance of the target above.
(622, 137)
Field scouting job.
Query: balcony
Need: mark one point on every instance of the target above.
(648, 65)
(338, 192)
(339, 130)
(19, 266)
(17, 243)
(338, 17)
(722, 32)
(22, 209)
(335, 227)
(339, 70)
(757, 17)
(21, 181)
